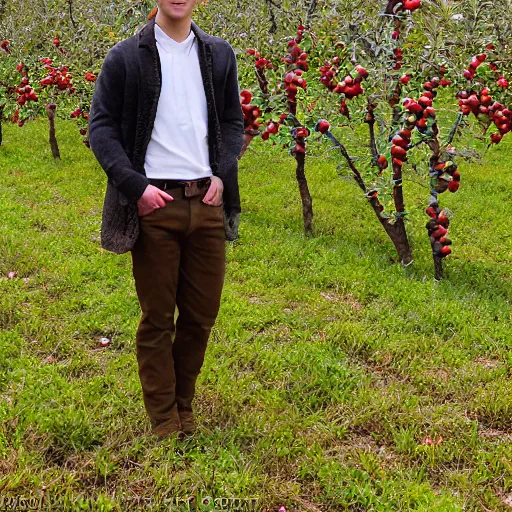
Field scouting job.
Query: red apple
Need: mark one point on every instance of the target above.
(323, 126)
(503, 82)
(453, 186)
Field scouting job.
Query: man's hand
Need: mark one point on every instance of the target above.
(151, 199)
(214, 195)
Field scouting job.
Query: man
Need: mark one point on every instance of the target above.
(166, 126)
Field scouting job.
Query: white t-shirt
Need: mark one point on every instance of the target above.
(178, 148)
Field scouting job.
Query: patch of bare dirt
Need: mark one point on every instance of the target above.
(488, 363)
(494, 434)
(255, 300)
(343, 298)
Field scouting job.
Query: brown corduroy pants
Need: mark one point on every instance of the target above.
(178, 262)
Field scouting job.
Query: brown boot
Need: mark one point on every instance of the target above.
(167, 427)
(188, 423)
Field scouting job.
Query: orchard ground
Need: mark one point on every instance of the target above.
(334, 380)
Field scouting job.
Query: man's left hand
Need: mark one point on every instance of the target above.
(213, 196)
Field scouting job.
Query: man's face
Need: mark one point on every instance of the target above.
(176, 9)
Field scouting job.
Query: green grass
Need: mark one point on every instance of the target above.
(328, 367)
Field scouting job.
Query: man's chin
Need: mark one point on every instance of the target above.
(176, 18)
(176, 13)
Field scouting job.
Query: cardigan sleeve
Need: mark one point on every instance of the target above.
(232, 130)
(105, 134)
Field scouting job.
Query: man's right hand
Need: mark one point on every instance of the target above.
(151, 199)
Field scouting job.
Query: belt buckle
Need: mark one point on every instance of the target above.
(195, 188)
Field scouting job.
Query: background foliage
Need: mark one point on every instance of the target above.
(457, 27)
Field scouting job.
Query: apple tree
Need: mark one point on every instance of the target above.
(279, 111)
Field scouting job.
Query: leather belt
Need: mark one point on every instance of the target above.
(169, 184)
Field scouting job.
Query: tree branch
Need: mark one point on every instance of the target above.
(70, 7)
(311, 10)
(454, 129)
(262, 81)
(353, 168)
(398, 193)
(370, 121)
(273, 24)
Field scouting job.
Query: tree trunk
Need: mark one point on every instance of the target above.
(305, 196)
(435, 146)
(401, 242)
(300, 174)
(438, 267)
(53, 139)
(396, 232)
(398, 236)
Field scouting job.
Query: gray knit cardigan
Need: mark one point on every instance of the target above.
(121, 120)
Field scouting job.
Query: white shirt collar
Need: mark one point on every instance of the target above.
(172, 46)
